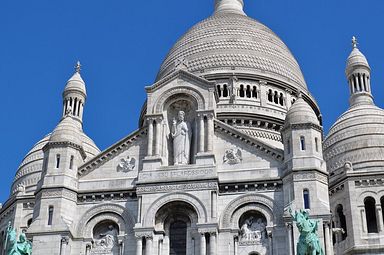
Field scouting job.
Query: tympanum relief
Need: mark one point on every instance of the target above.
(105, 241)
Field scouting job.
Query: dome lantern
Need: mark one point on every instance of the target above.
(232, 6)
(358, 74)
(74, 96)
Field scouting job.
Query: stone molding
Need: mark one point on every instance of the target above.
(65, 144)
(105, 196)
(59, 193)
(196, 203)
(262, 147)
(267, 185)
(145, 189)
(191, 92)
(111, 152)
(126, 215)
(303, 126)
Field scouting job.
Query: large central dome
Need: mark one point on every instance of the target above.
(228, 42)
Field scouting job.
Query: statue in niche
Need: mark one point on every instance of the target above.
(181, 133)
(107, 242)
(253, 230)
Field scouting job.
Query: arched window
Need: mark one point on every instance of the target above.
(302, 143)
(317, 144)
(242, 91)
(342, 220)
(29, 222)
(306, 199)
(370, 214)
(248, 91)
(270, 96)
(254, 92)
(219, 90)
(50, 215)
(57, 160)
(71, 162)
(225, 90)
(281, 99)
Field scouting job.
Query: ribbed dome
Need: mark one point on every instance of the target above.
(230, 42)
(301, 113)
(75, 83)
(357, 137)
(29, 171)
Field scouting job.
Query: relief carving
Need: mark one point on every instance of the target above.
(253, 231)
(233, 156)
(126, 165)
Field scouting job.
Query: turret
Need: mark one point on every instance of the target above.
(358, 74)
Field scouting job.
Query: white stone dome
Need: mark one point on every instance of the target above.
(301, 113)
(229, 42)
(30, 169)
(357, 137)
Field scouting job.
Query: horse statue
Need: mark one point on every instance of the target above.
(309, 243)
(17, 247)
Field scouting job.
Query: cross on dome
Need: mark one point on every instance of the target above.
(78, 67)
(354, 42)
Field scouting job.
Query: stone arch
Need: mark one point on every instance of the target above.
(367, 193)
(149, 218)
(192, 93)
(264, 210)
(264, 204)
(113, 212)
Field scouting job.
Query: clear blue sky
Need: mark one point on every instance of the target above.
(121, 44)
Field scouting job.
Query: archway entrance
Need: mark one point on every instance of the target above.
(176, 225)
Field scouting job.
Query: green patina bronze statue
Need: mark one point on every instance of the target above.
(14, 246)
(309, 243)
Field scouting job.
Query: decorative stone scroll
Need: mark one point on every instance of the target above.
(233, 156)
(126, 165)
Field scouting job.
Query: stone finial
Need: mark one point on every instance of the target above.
(78, 67)
(354, 42)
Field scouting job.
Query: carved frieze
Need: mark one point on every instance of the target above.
(58, 193)
(176, 187)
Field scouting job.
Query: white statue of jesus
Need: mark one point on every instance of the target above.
(181, 134)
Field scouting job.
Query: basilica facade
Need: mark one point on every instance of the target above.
(229, 140)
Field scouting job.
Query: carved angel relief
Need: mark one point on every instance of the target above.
(126, 165)
(233, 156)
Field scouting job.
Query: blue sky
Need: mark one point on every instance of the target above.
(121, 44)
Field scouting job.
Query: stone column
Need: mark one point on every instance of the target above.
(356, 85)
(289, 233)
(121, 247)
(63, 246)
(270, 241)
(158, 136)
(201, 133)
(148, 245)
(361, 88)
(363, 220)
(236, 245)
(212, 243)
(210, 132)
(160, 252)
(139, 245)
(150, 137)
(203, 244)
(81, 110)
(328, 244)
(379, 216)
(88, 249)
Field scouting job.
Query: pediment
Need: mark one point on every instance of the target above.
(253, 144)
(121, 160)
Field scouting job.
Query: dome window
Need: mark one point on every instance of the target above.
(302, 143)
(50, 215)
(317, 144)
(370, 214)
(306, 199)
(71, 162)
(57, 160)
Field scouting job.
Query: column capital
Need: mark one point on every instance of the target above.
(211, 231)
(65, 240)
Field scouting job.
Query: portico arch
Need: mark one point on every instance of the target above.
(150, 217)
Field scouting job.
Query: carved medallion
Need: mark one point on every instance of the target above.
(126, 165)
(233, 156)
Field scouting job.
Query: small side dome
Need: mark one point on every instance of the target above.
(67, 131)
(301, 113)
